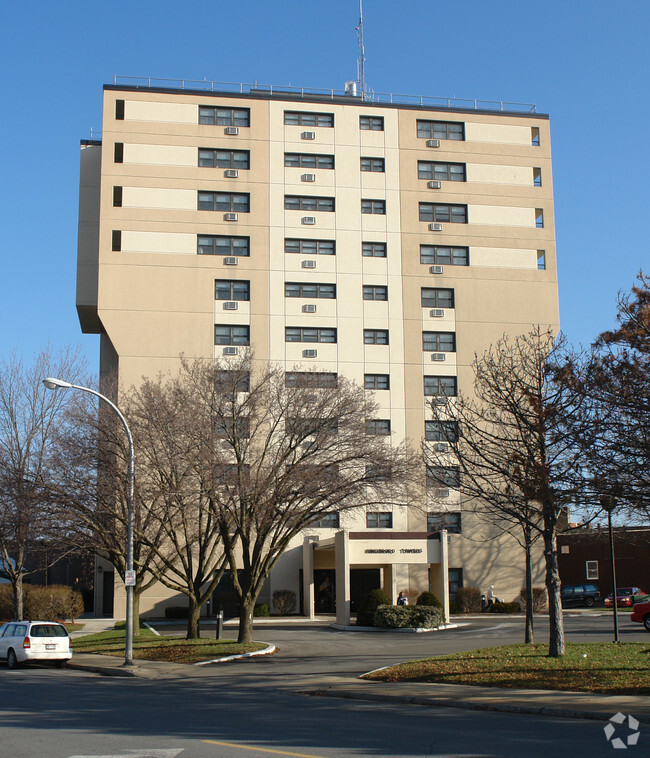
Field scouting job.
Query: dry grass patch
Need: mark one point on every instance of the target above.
(593, 667)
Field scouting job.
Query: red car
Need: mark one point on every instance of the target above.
(641, 613)
(624, 597)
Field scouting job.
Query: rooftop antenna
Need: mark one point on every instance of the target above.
(361, 55)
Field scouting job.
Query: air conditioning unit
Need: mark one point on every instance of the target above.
(308, 264)
(308, 135)
(311, 353)
(438, 356)
(437, 312)
(433, 143)
(230, 305)
(309, 219)
(437, 269)
(435, 227)
(434, 184)
(441, 492)
(231, 351)
(441, 447)
(308, 177)
(234, 130)
(231, 216)
(309, 308)
(231, 173)
(230, 261)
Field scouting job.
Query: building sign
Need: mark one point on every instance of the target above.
(394, 551)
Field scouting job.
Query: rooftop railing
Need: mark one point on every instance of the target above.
(324, 94)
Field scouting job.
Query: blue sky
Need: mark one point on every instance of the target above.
(584, 63)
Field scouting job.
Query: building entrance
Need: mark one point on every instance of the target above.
(325, 590)
(362, 583)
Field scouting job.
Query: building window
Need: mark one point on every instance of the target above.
(225, 378)
(443, 477)
(117, 197)
(303, 334)
(534, 136)
(455, 576)
(379, 520)
(119, 110)
(225, 334)
(116, 241)
(441, 431)
(373, 164)
(591, 568)
(378, 426)
(539, 218)
(376, 381)
(310, 247)
(209, 114)
(541, 260)
(326, 521)
(446, 256)
(308, 160)
(375, 336)
(217, 244)
(310, 379)
(226, 289)
(441, 130)
(209, 158)
(224, 201)
(373, 249)
(456, 214)
(299, 289)
(537, 177)
(444, 172)
(307, 203)
(376, 207)
(300, 118)
(118, 152)
(440, 386)
(371, 123)
(450, 521)
(375, 292)
(437, 297)
(439, 342)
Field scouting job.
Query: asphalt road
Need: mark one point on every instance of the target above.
(251, 708)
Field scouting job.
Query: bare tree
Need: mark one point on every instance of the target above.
(517, 458)
(294, 447)
(29, 417)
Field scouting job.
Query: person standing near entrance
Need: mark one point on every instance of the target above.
(490, 596)
(402, 599)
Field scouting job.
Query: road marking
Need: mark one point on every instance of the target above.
(262, 749)
(142, 753)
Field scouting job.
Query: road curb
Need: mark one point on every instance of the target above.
(268, 650)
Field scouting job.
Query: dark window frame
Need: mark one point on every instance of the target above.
(437, 297)
(240, 289)
(438, 257)
(376, 382)
(220, 205)
(320, 293)
(371, 123)
(446, 213)
(310, 203)
(311, 379)
(375, 337)
(441, 431)
(374, 250)
(373, 165)
(214, 161)
(441, 340)
(310, 160)
(373, 207)
(434, 386)
(309, 246)
(451, 521)
(217, 115)
(374, 520)
(309, 118)
(442, 171)
(305, 334)
(378, 292)
(379, 427)
(237, 334)
(433, 129)
(443, 477)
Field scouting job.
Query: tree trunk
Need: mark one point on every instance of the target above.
(17, 587)
(556, 646)
(528, 638)
(136, 611)
(246, 620)
(193, 616)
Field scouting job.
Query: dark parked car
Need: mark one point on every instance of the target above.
(579, 594)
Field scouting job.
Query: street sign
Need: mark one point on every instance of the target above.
(129, 578)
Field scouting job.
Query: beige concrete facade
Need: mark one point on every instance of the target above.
(143, 285)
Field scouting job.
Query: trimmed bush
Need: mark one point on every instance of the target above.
(53, 602)
(408, 617)
(453, 608)
(499, 607)
(6, 603)
(261, 610)
(368, 606)
(176, 612)
(284, 602)
(429, 599)
(540, 599)
(468, 600)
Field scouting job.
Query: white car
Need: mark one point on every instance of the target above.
(22, 641)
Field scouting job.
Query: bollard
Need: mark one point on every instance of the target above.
(219, 624)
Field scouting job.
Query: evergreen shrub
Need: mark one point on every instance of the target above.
(428, 598)
(408, 617)
(368, 606)
(284, 602)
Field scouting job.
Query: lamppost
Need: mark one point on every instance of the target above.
(52, 384)
(608, 503)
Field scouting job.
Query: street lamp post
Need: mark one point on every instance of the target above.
(52, 384)
(608, 503)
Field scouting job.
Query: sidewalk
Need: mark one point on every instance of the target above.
(581, 705)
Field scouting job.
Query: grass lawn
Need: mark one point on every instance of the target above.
(149, 647)
(591, 667)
